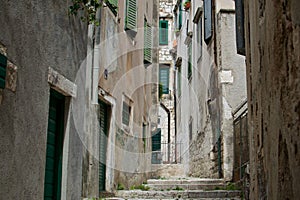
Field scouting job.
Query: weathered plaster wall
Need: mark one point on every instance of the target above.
(232, 79)
(131, 81)
(192, 103)
(216, 88)
(272, 52)
(37, 36)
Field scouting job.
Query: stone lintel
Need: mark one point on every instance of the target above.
(61, 83)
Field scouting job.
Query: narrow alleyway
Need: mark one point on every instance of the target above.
(150, 99)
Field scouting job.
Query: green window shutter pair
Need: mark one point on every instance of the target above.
(190, 61)
(131, 15)
(3, 64)
(126, 114)
(113, 5)
(180, 17)
(147, 43)
(163, 32)
(164, 79)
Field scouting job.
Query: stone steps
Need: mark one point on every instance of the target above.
(185, 184)
(162, 187)
(185, 181)
(188, 194)
(181, 188)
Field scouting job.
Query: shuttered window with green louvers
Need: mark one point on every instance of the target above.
(147, 42)
(3, 64)
(180, 16)
(113, 5)
(164, 79)
(131, 15)
(163, 32)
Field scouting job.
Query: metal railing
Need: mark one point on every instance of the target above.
(241, 148)
(166, 153)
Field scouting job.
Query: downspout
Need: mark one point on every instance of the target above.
(177, 63)
(175, 116)
(96, 59)
(169, 127)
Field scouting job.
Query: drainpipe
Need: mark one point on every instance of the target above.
(175, 116)
(96, 59)
(169, 127)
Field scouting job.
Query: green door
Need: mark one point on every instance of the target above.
(156, 147)
(103, 121)
(52, 185)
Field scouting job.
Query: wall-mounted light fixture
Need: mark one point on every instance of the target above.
(106, 74)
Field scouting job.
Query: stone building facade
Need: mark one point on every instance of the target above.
(44, 48)
(210, 85)
(128, 76)
(272, 31)
(78, 102)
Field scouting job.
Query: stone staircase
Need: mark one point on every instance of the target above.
(181, 188)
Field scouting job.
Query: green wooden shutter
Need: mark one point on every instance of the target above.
(55, 134)
(156, 146)
(207, 20)
(190, 67)
(131, 15)
(147, 43)
(126, 114)
(113, 5)
(180, 16)
(163, 32)
(103, 121)
(3, 64)
(164, 79)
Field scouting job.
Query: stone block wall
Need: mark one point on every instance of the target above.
(273, 77)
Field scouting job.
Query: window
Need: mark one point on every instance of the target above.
(199, 37)
(179, 80)
(240, 32)
(3, 64)
(207, 20)
(126, 114)
(180, 16)
(198, 21)
(164, 78)
(147, 42)
(163, 32)
(131, 15)
(191, 128)
(113, 6)
(190, 66)
(144, 137)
